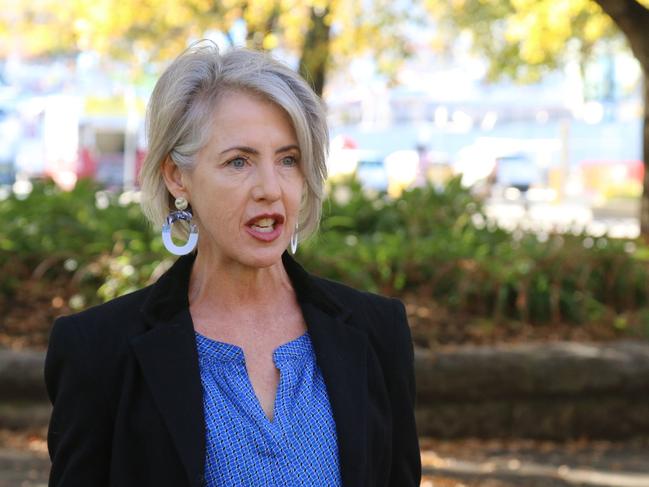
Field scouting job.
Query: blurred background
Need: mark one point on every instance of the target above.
(487, 166)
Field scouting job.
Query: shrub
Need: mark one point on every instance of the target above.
(435, 242)
(439, 243)
(86, 233)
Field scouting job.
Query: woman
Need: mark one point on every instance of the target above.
(236, 367)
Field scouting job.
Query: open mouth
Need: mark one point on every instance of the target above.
(265, 227)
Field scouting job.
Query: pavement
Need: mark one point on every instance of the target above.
(449, 463)
(509, 463)
(23, 468)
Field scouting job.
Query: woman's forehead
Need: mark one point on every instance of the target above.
(247, 118)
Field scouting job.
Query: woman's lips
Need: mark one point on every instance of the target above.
(265, 227)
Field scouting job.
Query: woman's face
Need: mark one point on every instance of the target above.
(246, 185)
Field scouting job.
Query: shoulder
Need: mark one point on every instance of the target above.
(116, 312)
(88, 350)
(108, 325)
(382, 318)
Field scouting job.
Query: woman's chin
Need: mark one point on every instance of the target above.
(264, 262)
(260, 257)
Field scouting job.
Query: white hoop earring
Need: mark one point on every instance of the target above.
(294, 241)
(174, 216)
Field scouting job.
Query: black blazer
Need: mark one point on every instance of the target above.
(124, 381)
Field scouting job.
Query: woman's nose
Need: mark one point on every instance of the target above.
(267, 185)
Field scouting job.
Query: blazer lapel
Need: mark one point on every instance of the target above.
(341, 353)
(169, 360)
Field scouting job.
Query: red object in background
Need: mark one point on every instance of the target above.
(636, 171)
(348, 142)
(87, 167)
(634, 168)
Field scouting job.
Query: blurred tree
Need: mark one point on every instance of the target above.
(524, 39)
(317, 32)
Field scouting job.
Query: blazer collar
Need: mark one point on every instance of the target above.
(170, 293)
(169, 362)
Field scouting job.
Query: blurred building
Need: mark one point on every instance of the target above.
(442, 105)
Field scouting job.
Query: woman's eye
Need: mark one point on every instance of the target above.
(289, 161)
(238, 162)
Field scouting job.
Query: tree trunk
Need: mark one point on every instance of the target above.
(315, 52)
(632, 19)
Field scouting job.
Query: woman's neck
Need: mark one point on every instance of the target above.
(227, 285)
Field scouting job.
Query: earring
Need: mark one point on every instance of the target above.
(181, 203)
(182, 214)
(294, 241)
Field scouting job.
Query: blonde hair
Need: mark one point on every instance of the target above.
(181, 107)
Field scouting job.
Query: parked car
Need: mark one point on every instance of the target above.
(370, 170)
(516, 170)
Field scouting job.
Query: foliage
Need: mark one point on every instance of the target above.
(145, 31)
(435, 242)
(524, 39)
(87, 233)
(439, 243)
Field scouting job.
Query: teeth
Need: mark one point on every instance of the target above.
(265, 222)
(263, 229)
(264, 225)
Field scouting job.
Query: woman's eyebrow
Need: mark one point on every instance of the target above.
(250, 150)
(287, 148)
(241, 148)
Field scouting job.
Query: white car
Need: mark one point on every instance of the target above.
(516, 171)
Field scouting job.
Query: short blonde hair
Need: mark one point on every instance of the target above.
(182, 104)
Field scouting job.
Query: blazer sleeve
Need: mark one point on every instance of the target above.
(406, 459)
(79, 432)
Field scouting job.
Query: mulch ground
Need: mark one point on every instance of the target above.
(27, 314)
(434, 325)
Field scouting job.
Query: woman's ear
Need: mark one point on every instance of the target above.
(173, 178)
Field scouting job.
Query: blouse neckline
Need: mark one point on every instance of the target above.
(215, 350)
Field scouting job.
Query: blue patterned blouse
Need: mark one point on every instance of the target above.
(244, 448)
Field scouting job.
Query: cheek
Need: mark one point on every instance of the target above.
(294, 200)
(219, 209)
(297, 188)
(213, 193)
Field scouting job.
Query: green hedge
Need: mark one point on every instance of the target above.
(101, 241)
(435, 242)
(440, 243)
